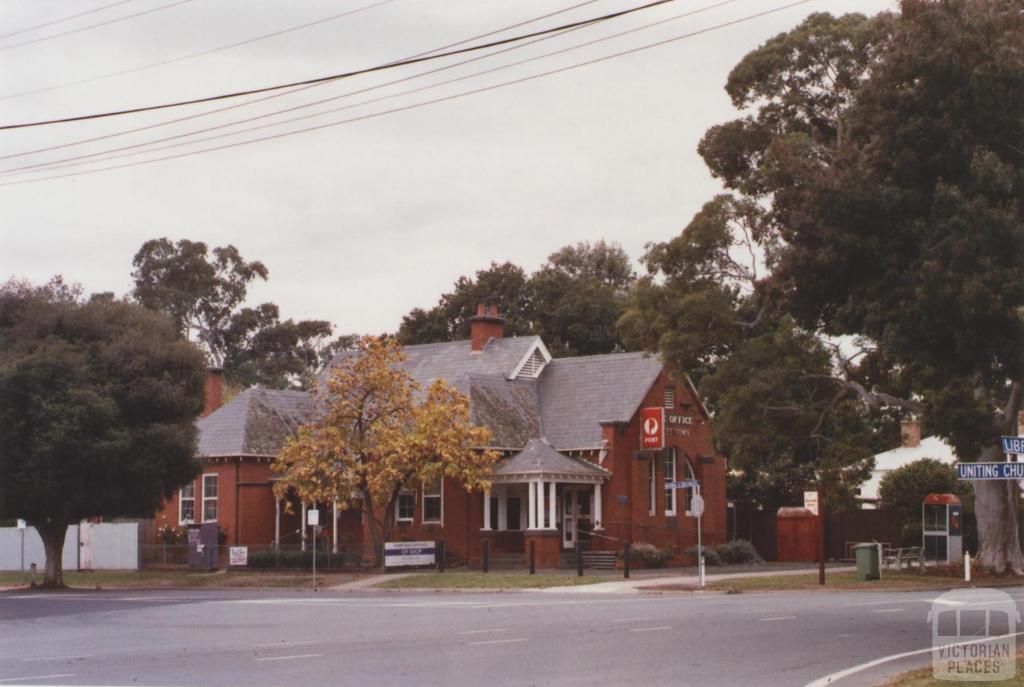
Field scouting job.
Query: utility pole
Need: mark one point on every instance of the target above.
(821, 535)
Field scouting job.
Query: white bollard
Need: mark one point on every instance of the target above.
(967, 566)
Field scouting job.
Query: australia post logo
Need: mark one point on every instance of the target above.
(652, 429)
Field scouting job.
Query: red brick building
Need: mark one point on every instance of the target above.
(570, 433)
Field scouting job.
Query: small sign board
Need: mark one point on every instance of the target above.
(811, 501)
(1013, 445)
(312, 517)
(989, 471)
(21, 524)
(652, 429)
(238, 555)
(683, 484)
(399, 553)
(697, 506)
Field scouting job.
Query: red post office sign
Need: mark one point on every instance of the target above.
(652, 429)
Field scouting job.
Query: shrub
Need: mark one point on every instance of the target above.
(650, 554)
(740, 552)
(711, 556)
(166, 534)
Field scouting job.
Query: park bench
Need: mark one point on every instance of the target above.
(899, 556)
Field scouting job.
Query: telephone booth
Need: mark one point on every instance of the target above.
(943, 531)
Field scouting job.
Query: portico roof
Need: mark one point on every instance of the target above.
(539, 459)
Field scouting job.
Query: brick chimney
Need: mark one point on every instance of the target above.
(213, 390)
(910, 434)
(487, 324)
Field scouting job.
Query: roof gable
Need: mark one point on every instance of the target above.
(539, 458)
(256, 422)
(578, 394)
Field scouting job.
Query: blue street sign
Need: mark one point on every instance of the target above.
(684, 484)
(984, 471)
(1013, 445)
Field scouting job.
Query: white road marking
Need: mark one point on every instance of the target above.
(650, 629)
(778, 617)
(288, 658)
(57, 658)
(499, 641)
(880, 603)
(283, 644)
(630, 620)
(841, 674)
(479, 632)
(888, 610)
(36, 677)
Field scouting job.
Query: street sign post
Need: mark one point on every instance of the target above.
(989, 471)
(697, 508)
(313, 520)
(1014, 445)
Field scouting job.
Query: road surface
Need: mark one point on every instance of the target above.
(286, 638)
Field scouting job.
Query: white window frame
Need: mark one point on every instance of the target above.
(669, 458)
(398, 506)
(688, 493)
(652, 502)
(214, 498)
(181, 501)
(439, 495)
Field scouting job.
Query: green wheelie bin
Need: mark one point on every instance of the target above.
(867, 561)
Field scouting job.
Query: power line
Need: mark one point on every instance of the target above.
(64, 19)
(201, 53)
(106, 155)
(93, 26)
(177, 120)
(424, 103)
(336, 77)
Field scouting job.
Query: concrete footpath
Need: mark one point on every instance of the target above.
(635, 585)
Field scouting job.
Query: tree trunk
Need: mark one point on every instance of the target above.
(376, 533)
(996, 512)
(53, 535)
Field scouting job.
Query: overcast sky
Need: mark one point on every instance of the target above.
(359, 222)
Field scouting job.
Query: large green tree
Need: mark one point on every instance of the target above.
(203, 291)
(881, 161)
(97, 407)
(573, 301)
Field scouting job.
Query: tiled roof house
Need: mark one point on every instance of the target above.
(573, 469)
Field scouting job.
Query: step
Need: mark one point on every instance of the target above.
(595, 560)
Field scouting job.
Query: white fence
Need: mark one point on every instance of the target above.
(88, 546)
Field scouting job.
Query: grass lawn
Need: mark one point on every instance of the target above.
(469, 579)
(843, 581)
(119, 579)
(923, 676)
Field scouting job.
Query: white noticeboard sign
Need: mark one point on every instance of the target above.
(811, 501)
(21, 524)
(399, 553)
(238, 555)
(313, 517)
(697, 505)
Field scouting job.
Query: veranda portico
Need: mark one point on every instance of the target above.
(561, 495)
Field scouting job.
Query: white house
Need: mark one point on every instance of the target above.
(913, 448)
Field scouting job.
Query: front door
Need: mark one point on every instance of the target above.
(575, 515)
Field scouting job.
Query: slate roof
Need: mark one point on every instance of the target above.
(256, 422)
(564, 406)
(577, 394)
(539, 457)
(451, 360)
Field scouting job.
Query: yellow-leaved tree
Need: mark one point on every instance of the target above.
(374, 432)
